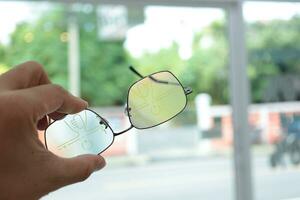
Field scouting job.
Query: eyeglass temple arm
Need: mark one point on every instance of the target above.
(136, 72)
(119, 133)
(187, 90)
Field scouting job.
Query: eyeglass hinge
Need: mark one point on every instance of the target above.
(188, 90)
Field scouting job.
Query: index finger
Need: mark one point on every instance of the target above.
(46, 99)
(25, 75)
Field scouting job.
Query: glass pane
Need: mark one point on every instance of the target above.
(189, 157)
(273, 52)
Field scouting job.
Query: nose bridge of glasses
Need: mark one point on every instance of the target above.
(124, 131)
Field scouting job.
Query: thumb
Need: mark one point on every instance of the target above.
(79, 168)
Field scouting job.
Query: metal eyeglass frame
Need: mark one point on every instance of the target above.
(187, 91)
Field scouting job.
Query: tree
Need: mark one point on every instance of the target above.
(273, 53)
(103, 64)
(42, 41)
(164, 59)
(207, 70)
(105, 77)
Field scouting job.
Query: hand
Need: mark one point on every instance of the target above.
(27, 169)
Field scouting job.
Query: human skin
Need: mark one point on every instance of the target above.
(27, 169)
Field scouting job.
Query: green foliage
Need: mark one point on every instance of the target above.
(105, 75)
(2, 53)
(207, 68)
(105, 78)
(41, 41)
(205, 71)
(3, 68)
(273, 51)
(164, 59)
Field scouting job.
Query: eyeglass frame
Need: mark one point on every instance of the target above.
(186, 90)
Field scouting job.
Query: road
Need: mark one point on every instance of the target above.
(189, 179)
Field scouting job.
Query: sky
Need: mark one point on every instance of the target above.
(162, 25)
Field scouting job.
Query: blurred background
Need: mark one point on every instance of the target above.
(87, 49)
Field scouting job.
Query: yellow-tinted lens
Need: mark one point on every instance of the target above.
(78, 134)
(155, 99)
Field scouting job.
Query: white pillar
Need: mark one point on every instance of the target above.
(73, 54)
(264, 124)
(203, 104)
(239, 88)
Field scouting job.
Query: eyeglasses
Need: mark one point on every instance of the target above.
(151, 101)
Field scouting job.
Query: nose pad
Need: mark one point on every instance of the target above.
(188, 90)
(105, 122)
(127, 111)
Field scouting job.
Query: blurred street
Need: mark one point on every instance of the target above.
(190, 179)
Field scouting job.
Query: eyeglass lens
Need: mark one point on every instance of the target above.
(155, 99)
(81, 133)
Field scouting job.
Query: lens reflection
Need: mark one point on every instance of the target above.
(78, 134)
(155, 99)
